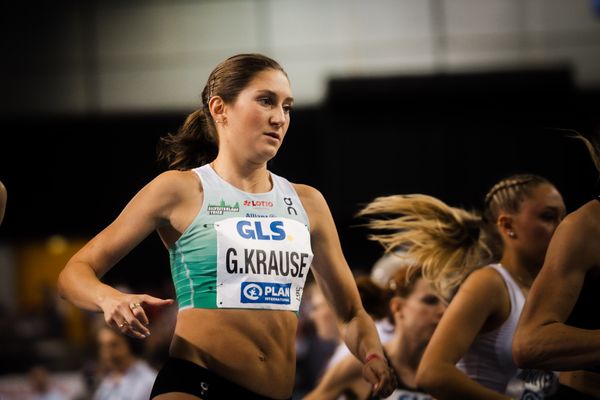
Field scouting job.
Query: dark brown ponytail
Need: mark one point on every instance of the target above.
(194, 144)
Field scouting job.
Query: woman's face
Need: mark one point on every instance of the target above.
(113, 348)
(420, 312)
(536, 221)
(257, 121)
(323, 317)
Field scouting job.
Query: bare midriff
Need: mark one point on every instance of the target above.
(252, 348)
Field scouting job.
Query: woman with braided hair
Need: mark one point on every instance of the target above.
(560, 325)
(484, 265)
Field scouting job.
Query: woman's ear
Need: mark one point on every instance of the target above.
(396, 304)
(505, 225)
(216, 105)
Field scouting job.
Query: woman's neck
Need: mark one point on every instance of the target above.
(523, 271)
(246, 176)
(405, 354)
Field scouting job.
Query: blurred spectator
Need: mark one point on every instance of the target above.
(126, 376)
(374, 299)
(382, 274)
(41, 386)
(52, 312)
(163, 322)
(325, 322)
(312, 352)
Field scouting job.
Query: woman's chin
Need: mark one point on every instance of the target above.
(267, 154)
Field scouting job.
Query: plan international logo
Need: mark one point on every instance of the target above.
(214, 209)
(265, 292)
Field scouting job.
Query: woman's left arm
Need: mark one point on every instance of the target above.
(335, 279)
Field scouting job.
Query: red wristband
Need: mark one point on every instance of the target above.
(372, 356)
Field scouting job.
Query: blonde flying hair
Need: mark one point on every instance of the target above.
(447, 242)
(443, 240)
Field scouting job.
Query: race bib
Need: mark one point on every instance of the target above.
(262, 263)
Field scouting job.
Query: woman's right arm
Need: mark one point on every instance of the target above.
(79, 282)
(478, 298)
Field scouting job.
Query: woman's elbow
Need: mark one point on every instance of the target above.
(61, 283)
(66, 279)
(428, 378)
(523, 350)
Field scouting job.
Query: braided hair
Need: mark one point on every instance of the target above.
(507, 196)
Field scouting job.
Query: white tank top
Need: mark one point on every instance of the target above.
(489, 359)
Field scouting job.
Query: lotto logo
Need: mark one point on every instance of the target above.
(265, 292)
(254, 203)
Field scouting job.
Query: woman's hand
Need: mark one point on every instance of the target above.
(126, 313)
(378, 373)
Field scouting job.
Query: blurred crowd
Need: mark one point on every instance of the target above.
(38, 361)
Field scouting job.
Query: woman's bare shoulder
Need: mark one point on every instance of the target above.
(177, 183)
(311, 198)
(586, 218)
(306, 191)
(314, 204)
(484, 283)
(574, 242)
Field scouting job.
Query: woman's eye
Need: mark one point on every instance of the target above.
(265, 101)
(549, 216)
(287, 109)
(431, 300)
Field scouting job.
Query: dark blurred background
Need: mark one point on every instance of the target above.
(435, 97)
(448, 136)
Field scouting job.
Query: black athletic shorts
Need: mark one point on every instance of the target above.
(184, 376)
